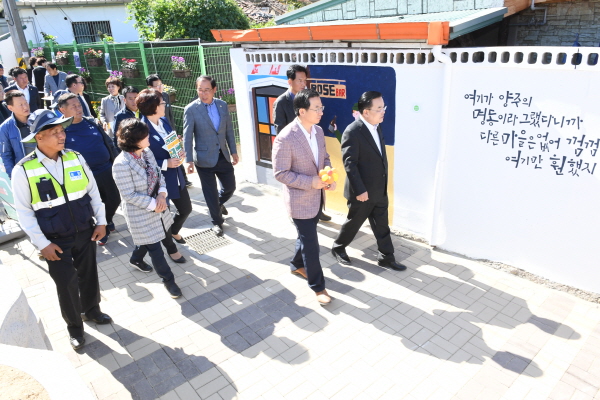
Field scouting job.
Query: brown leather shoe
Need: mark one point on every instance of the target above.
(323, 298)
(300, 272)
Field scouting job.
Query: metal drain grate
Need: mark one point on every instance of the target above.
(206, 241)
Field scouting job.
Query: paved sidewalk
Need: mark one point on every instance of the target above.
(245, 328)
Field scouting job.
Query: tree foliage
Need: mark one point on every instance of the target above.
(184, 19)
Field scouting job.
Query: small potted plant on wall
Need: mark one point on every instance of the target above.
(229, 98)
(94, 58)
(62, 57)
(85, 75)
(117, 74)
(38, 51)
(172, 92)
(180, 70)
(129, 68)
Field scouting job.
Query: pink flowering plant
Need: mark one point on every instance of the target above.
(178, 63)
(128, 63)
(91, 53)
(228, 96)
(62, 54)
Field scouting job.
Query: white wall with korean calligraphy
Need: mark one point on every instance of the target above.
(495, 154)
(520, 184)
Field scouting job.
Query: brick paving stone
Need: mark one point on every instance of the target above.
(447, 328)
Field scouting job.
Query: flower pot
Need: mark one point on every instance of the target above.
(130, 73)
(182, 73)
(94, 62)
(62, 61)
(231, 108)
(172, 97)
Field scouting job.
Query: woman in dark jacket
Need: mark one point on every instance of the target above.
(152, 109)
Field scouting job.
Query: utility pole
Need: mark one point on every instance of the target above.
(15, 28)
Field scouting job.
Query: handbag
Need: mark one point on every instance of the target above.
(154, 192)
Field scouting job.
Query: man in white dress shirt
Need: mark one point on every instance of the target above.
(57, 201)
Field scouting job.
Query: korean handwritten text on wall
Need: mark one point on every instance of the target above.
(532, 138)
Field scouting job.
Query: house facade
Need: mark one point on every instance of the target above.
(492, 151)
(76, 20)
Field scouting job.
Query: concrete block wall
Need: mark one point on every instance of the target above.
(563, 22)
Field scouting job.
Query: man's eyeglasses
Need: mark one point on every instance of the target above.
(163, 103)
(318, 109)
(378, 110)
(205, 90)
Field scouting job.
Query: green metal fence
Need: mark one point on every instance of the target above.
(154, 58)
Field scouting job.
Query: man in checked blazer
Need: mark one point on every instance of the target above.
(365, 162)
(209, 143)
(298, 155)
(283, 108)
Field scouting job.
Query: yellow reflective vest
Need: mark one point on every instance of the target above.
(61, 210)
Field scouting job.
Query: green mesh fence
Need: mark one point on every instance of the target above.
(218, 65)
(154, 58)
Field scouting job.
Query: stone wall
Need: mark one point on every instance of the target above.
(563, 22)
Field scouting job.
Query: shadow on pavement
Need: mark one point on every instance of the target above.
(157, 373)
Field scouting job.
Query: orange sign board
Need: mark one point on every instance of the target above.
(327, 88)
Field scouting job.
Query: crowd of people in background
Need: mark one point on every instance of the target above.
(71, 170)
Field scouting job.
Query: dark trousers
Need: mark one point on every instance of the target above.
(377, 213)
(184, 208)
(307, 252)
(184, 173)
(157, 256)
(76, 279)
(214, 198)
(109, 193)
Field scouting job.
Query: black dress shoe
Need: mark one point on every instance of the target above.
(180, 260)
(173, 289)
(323, 216)
(218, 230)
(77, 342)
(224, 210)
(180, 241)
(141, 265)
(100, 318)
(391, 265)
(341, 256)
(188, 183)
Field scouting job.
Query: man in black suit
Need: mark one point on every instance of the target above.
(365, 162)
(39, 77)
(22, 84)
(283, 108)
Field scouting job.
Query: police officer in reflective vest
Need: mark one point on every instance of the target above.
(57, 201)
